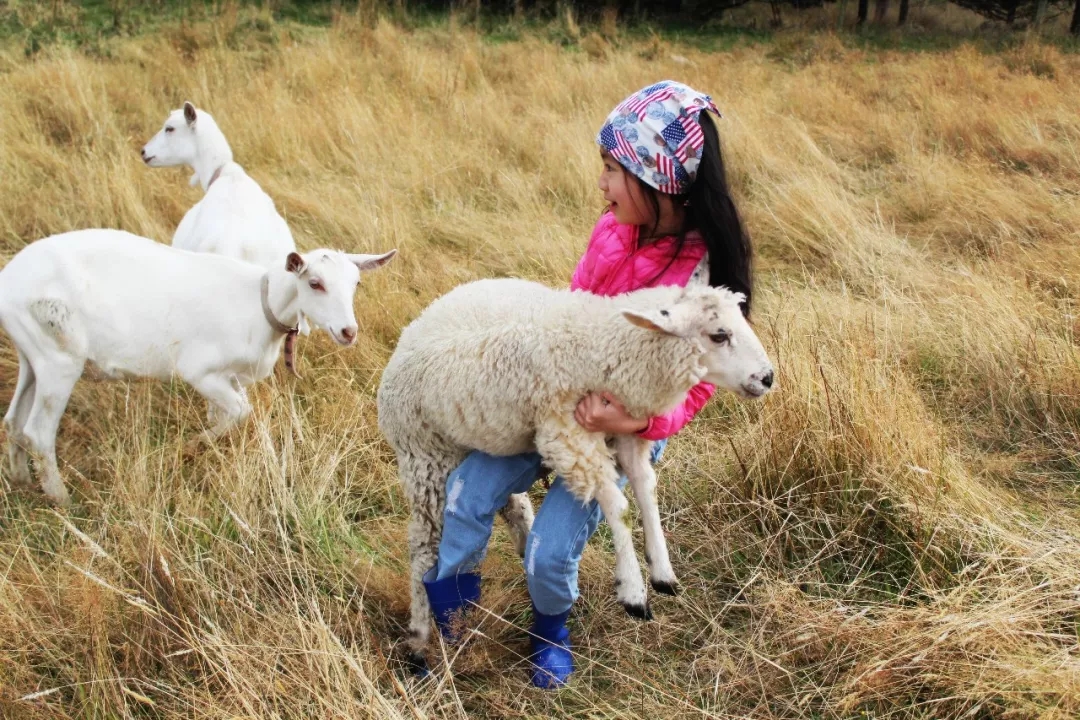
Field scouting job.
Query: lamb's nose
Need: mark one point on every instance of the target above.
(348, 333)
(767, 379)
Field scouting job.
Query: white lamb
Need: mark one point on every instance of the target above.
(133, 307)
(235, 218)
(499, 366)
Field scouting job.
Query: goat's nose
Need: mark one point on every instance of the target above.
(142, 153)
(349, 333)
(767, 379)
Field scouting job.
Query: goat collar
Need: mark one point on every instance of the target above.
(278, 326)
(215, 176)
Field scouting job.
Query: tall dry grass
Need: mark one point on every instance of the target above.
(894, 532)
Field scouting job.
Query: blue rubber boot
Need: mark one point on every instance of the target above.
(449, 596)
(551, 658)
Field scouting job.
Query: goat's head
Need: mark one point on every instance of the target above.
(731, 352)
(326, 281)
(177, 143)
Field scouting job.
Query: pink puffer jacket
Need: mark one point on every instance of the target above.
(614, 264)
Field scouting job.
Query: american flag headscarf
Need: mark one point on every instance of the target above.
(655, 134)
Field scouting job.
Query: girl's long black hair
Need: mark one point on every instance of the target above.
(711, 211)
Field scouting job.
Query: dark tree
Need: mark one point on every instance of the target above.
(864, 6)
(1012, 10)
(1075, 27)
(904, 12)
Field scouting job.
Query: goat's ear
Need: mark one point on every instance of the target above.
(294, 263)
(371, 262)
(189, 113)
(655, 321)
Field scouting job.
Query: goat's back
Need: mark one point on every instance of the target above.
(127, 300)
(236, 219)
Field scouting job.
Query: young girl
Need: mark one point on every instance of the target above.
(670, 221)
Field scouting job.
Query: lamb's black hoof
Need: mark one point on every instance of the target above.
(416, 664)
(641, 612)
(671, 588)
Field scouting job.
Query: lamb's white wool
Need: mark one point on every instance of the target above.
(499, 366)
(133, 307)
(235, 218)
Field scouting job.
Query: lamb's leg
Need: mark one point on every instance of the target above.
(15, 421)
(424, 483)
(584, 463)
(633, 456)
(518, 514)
(54, 381)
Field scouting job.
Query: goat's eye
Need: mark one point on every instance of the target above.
(720, 338)
(317, 285)
(169, 130)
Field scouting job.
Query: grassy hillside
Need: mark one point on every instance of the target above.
(894, 532)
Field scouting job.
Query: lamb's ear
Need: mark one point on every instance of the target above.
(294, 263)
(655, 321)
(189, 113)
(371, 262)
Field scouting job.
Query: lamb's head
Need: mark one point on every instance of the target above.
(326, 281)
(186, 132)
(730, 351)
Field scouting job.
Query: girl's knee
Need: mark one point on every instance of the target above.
(551, 558)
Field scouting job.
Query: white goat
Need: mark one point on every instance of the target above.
(133, 307)
(499, 366)
(235, 217)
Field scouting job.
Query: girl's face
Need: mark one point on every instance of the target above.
(626, 199)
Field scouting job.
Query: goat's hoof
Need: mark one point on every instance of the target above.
(666, 588)
(641, 612)
(62, 501)
(417, 664)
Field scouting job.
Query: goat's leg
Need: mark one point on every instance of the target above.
(230, 406)
(585, 464)
(15, 421)
(53, 384)
(633, 456)
(518, 514)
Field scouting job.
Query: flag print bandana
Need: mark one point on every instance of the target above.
(656, 135)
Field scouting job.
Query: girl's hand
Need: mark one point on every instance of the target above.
(603, 413)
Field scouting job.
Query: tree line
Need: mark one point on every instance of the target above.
(1007, 11)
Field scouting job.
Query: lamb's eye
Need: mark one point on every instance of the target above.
(317, 285)
(720, 338)
(169, 130)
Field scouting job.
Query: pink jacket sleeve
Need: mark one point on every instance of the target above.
(582, 277)
(664, 426)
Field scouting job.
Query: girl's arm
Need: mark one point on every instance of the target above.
(664, 426)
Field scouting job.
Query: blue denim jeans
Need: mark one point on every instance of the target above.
(480, 487)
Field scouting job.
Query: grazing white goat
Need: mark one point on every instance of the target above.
(499, 366)
(133, 307)
(235, 217)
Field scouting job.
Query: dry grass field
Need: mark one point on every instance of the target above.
(894, 532)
